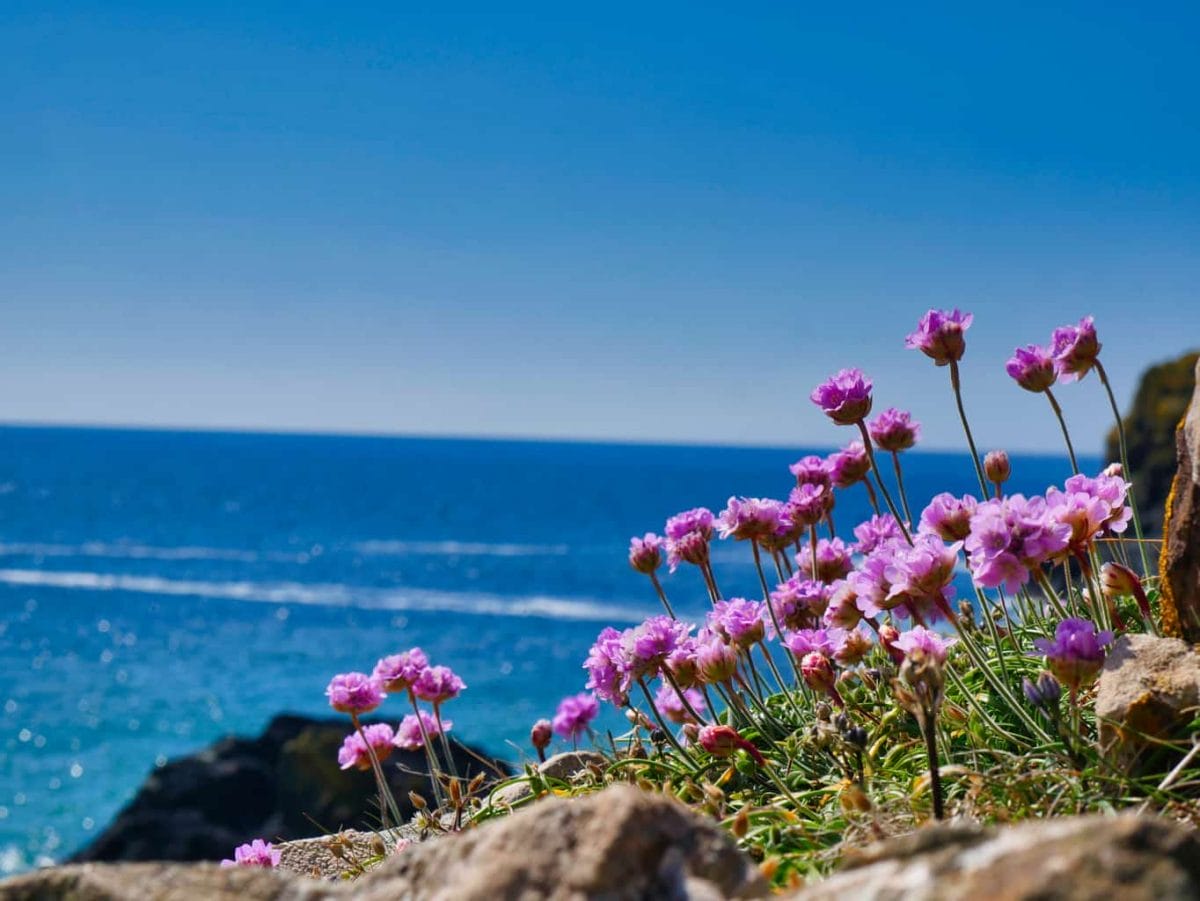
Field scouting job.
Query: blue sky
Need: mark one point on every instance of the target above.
(627, 222)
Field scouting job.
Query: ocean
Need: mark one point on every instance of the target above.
(159, 590)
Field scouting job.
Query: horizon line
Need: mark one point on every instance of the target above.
(317, 432)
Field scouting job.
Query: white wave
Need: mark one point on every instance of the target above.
(332, 595)
(129, 551)
(458, 549)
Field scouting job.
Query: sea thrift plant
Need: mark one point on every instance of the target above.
(257, 854)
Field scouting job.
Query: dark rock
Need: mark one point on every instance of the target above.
(1085, 858)
(1179, 565)
(1158, 405)
(283, 785)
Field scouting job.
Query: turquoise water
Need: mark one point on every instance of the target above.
(161, 589)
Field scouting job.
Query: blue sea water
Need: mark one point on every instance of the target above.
(161, 589)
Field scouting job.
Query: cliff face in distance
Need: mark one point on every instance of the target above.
(1160, 402)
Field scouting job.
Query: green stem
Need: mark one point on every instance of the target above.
(956, 384)
(900, 485)
(1125, 472)
(662, 595)
(1063, 425)
(887, 498)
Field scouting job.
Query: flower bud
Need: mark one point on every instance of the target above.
(723, 741)
(888, 635)
(541, 734)
(1121, 581)
(645, 553)
(997, 467)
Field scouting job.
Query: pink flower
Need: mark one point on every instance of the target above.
(1032, 368)
(438, 684)
(716, 661)
(948, 517)
(667, 702)
(354, 693)
(808, 504)
(918, 637)
(408, 733)
(845, 398)
(398, 672)
(939, 335)
(753, 519)
(688, 535)
(256, 854)
(1075, 349)
(354, 754)
(876, 531)
(833, 560)
(574, 714)
(821, 641)
(740, 622)
(850, 465)
(645, 553)
(811, 470)
(605, 665)
(894, 431)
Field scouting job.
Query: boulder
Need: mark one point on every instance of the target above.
(565, 767)
(1179, 563)
(1093, 858)
(1149, 688)
(285, 784)
(620, 843)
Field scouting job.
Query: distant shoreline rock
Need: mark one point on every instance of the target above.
(283, 785)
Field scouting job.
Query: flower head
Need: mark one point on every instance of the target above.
(647, 647)
(353, 753)
(645, 553)
(668, 703)
(939, 335)
(821, 641)
(1010, 537)
(716, 661)
(398, 672)
(739, 621)
(876, 531)
(918, 637)
(833, 560)
(408, 733)
(808, 504)
(255, 854)
(894, 431)
(800, 601)
(688, 534)
(438, 684)
(754, 519)
(850, 465)
(354, 693)
(1076, 653)
(606, 667)
(948, 517)
(1032, 368)
(574, 714)
(811, 470)
(1075, 349)
(845, 398)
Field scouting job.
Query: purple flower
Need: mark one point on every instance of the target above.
(922, 574)
(1032, 368)
(799, 602)
(894, 431)
(948, 517)
(1112, 490)
(667, 702)
(647, 647)
(740, 622)
(645, 553)
(256, 854)
(438, 684)
(754, 519)
(408, 733)
(398, 672)
(353, 753)
(845, 398)
(1075, 348)
(871, 582)
(939, 335)
(843, 611)
(833, 560)
(605, 665)
(811, 470)
(876, 531)
(354, 693)
(573, 715)
(1010, 537)
(1077, 652)
(808, 504)
(688, 534)
(827, 642)
(716, 661)
(850, 465)
(920, 638)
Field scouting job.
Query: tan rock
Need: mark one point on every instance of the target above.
(568, 767)
(157, 882)
(1093, 858)
(1149, 688)
(1179, 563)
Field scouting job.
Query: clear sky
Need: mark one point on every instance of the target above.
(641, 221)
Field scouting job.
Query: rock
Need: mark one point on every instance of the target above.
(617, 844)
(153, 882)
(1179, 564)
(1158, 405)
(564, 767)
(283, 785)
(1149, 686)
(1094, 858)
